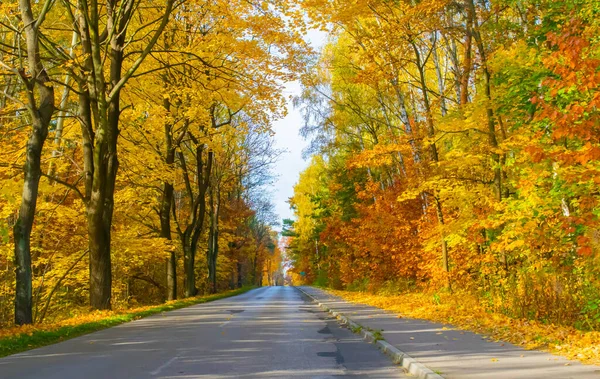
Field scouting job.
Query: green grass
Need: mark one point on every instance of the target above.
(377, 335)
(23, 342)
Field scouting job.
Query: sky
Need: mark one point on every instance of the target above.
(287, 138)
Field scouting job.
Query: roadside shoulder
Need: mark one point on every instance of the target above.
(411, 365)
(428, 347)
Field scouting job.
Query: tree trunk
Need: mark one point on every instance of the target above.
(493, 141)
(433, 153)
(254, 261)
(62, 114)
(165, 232)
(213, 240)
(24, 225)
(195, 228)
(100, 260)
(41, 114)
(426, 103)
(165, 211)
(101, 103)
(440, 76)
(445, 258)
(467, 60)
(211, 245)
(172, 277)
(216, 245)
(101, 205)
(190, 275)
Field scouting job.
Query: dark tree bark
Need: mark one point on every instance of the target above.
(167, 201)
(213, 239)
(165, 232)
(99, 117)
(240, 282)
(165, 210)
(190, 236)
(40, 98)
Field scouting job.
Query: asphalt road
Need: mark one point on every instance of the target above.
(271, 332)
(456, 353)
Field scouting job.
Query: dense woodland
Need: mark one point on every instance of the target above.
(136, 150)
(455, 149)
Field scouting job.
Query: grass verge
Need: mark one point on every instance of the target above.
(18, 339)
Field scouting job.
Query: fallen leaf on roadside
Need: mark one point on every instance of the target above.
(467, 313)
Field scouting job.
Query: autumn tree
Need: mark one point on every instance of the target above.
(30, 70)
(449, 121)
(148, 95)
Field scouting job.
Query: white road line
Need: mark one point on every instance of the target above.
(223, 324)
(164, 366)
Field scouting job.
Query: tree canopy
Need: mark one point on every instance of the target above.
(137, 140)
(456, 148)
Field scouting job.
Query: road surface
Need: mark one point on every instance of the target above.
(271, 332)
(454, 353)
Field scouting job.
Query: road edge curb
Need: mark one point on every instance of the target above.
(410, 364)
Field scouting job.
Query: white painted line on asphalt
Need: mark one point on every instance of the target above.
(131, 343)
(164, 366)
